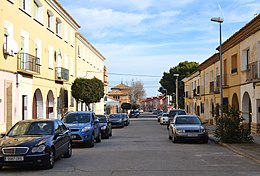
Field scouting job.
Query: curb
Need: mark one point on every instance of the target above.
(235, 150)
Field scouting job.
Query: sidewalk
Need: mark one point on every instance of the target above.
(248, 150)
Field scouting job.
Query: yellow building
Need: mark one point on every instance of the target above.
(90, 64)
(38, 62)
(240, 77)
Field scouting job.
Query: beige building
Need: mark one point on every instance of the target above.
(240, 78)
(39, 61)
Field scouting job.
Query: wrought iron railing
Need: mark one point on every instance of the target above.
(28, 63)
(253, 73)
(61, 74)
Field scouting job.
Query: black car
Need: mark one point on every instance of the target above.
(126, 119)
(173, 113)
(117, 120)
(105, 126)
(134, 114)
(35, 142)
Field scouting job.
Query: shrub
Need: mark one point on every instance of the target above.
(229, 128)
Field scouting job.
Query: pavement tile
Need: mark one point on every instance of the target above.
(248, 150)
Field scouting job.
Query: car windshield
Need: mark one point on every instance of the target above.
(102, 119)
(31, 128)
(173, 113)
(187, 120)
(76, 118)
(115, 116)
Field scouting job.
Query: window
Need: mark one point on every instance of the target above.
(38, 50)
(79, 51)
(66, 32)
(234, 63)
(5, 39)
(25, 5)
(50, 20)
(38, 10)
(58, 27)
(206, 80)
(71, 38)
(245, 59)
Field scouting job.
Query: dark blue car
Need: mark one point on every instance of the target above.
(84, 127)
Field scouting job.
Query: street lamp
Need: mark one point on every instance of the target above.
(220, 20)
(177, 104)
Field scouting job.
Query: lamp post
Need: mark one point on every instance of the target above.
(177, 95)
(220, 20)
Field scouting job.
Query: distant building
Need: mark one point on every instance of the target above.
(121, 93)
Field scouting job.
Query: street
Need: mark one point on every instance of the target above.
(143, 149)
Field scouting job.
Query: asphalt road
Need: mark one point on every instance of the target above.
(143, 149)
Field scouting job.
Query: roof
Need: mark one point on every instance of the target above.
(121, 86)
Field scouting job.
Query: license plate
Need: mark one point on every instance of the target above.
(14, 158)
(192, 135)
(73, 136)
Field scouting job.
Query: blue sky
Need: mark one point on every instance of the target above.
(141, 39)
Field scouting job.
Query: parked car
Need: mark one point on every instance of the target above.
(126, 119)
(105, 126)
(84, 127)
(187, 127)
(117, 120)
(35, 142)
(134, 114)
(164, 119)
(173, 113)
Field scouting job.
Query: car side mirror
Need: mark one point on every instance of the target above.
(2, 135)
(96, 121)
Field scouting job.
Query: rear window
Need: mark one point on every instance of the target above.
(173, 113)
(76, 118)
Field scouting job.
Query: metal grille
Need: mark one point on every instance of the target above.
(15, 150)
(192, 131)
(74, 130)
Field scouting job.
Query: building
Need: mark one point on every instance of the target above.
(240, 78)
(39, 61)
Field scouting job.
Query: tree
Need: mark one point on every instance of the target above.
(126, 106)
(168, 81)
(137, 92)
(87, 90)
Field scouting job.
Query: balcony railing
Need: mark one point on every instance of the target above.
(253, 73)
(211, 88)
(61, 74)
(28, 63)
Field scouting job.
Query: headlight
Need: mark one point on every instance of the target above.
(120, 120)
(203, 130)
(180, 131)
(38, 149)
(86, 129)
(103, 128)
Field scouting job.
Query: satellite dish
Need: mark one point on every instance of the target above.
(12, 47)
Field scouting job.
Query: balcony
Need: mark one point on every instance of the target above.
(61, 74)
(252, 73)
(211, 88)
(28, 64)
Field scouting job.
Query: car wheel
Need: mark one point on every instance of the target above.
(98, 139)
(91, 142)
(174, 139)
(69, 151)
(50, 160)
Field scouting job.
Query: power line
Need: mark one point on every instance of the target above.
(124, 74)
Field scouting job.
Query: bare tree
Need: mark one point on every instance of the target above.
(137, 92)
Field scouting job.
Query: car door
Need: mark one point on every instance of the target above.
(59, 138)
(95, 125)
(65, 136)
